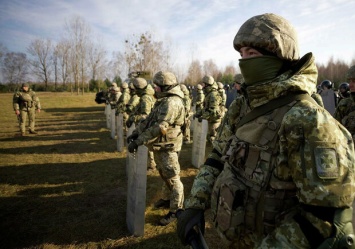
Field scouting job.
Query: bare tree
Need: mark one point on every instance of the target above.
(40, 62)
(97, 60)
(194, 74)
(118, 66)
(210, 68)
(78, 35)
(15, 67)
(61, 51)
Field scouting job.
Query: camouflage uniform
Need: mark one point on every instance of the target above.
(162, 129)
(122, 103)
(212, 106)
(187, 102)
(223, 95)
(285, 178)
(200, 98)
(345, 112)
(25, 103)
(113, 95)
(146, 103)
(133, 101)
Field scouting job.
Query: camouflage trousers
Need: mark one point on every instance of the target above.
(169, 170)
(31, 114)
(212, 130)
(287, 235)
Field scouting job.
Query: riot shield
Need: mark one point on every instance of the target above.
(136, 190)
(119, 132)
(199, 142)
(113, 121)
(329, 100)
(108, 115)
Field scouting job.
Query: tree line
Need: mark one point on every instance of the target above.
(79, 63)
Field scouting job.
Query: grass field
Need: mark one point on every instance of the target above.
(66, 186)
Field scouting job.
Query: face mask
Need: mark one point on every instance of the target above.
(259, 69)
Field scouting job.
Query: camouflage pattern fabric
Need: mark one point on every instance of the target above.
(162, 130)
(145, 105)
(133, 103)
(113, 96)
(187, 102)
(27, 103)
(200, 98)
(315, 156)
(341, 110)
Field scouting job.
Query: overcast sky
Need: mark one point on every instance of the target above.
(202, 29)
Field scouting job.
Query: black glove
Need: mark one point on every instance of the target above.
(132, 147)
(129, 123)
(132, 137)
(200, 119)
(186, 220)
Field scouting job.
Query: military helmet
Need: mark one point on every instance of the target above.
(140, 83)
(131, 86)
(208, 80)
(220, 85)
(25, 85)
(165, 79)
(183, 87)
(238, 78)
(124, 85)
(271, 33)
(114, 84)
(326, 84)
(351, 73)
(199, 87)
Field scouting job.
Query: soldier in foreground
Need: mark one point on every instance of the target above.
(25, 104)
(162, 129)
(285, 179)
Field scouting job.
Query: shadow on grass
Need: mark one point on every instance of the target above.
(63, 204)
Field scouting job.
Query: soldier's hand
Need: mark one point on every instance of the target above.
(132, 147)
(132, 137)
(186, 220)
(200, 119)
(38, 110)
(17, 112)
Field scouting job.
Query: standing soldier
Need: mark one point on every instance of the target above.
(122, 103)
(222, 93)
(25, 103)
(211, 107)
(113, 95)
(162, 129)
(133, 102)
(199, 100)
(187, 102)
(346, 112)
(146, 103)
(285, 178)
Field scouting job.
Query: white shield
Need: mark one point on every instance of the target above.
(119, 132)
(113, 121)
(108, 114)
(136, 190)
(199, 142)
(329, 100)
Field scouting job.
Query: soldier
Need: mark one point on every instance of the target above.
(285, 179)
(199, 100)
(223, 95)
(113, 95)
(187, 102)
(346, 108)
(211, 106)
(122, 103)
(345, 100)
(146, 103)
(162, 129)
(25, 103)
(328, 95)
(133, 102)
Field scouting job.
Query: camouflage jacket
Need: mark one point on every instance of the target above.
(200, 98)
(113, 96)
(123, 101)
(24, 100)
(223, 95)
(164, 123)
(311, 146)
(342, 108)
(132, 104)
(211, 107)
(145, 105)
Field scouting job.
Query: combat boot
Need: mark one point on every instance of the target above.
(33, 132)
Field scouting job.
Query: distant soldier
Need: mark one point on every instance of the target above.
(222, 93)
(133, 101)
(346, 108)
(200, 98)
(329, 97)
(113, 95)
(25, 103)
(211, 107)
(162, 129)
(122, 103)
(187, 102)
(146, 103)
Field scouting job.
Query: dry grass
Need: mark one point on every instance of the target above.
(66, 186)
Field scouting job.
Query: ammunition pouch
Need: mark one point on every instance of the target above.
(167, 141)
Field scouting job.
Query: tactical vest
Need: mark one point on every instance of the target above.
(246, 195)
